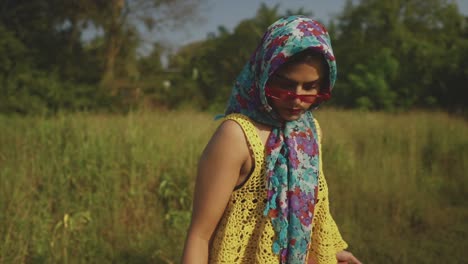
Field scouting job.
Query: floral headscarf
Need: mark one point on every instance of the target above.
(292, 156)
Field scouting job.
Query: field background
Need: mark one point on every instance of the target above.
(88, 188)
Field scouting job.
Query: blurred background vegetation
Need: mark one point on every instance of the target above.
(392, 55)
(100, 188)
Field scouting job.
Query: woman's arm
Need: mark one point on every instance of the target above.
(218, 174)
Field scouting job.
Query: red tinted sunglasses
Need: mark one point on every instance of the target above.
(282, 94)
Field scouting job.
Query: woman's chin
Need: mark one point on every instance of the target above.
(291, 116)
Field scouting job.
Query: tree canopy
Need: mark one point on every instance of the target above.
(392, 55)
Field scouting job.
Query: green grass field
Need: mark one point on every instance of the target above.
(82, 188)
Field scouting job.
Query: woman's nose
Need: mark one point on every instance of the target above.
(297, 100)
(298, 89)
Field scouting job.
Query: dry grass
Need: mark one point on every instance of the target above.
(117, 189)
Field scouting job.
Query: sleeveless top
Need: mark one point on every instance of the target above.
(245, 235)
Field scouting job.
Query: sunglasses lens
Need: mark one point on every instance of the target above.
(308, 99)
(285, 95)
(274, 93)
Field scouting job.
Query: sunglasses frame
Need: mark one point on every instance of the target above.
(282, 94)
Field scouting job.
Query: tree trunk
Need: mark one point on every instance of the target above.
(113, 35)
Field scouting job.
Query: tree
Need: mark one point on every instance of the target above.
(219, 59)
(418, 33)
(371, 82)
(58, 68)
(118, 17)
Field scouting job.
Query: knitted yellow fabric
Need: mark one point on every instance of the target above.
(245, 235)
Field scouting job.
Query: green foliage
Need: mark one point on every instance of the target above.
(399, 167)
(47, 65)
(391, 55)
(34, 80)
(424, 39)
(89, 188)
(36, 92)
(80, 188)
(67, 235)
(220, 58)
(151, 64)
(371, 82)
(13, 54)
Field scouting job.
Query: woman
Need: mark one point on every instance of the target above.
(260, 194)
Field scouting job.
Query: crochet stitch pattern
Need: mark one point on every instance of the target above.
(245, 235)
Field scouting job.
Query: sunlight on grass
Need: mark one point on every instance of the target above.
(103, 189)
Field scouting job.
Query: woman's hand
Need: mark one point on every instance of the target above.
(345, 257)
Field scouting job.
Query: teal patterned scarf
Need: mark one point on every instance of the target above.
(292, 152)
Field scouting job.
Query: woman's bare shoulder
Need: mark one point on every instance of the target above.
(229, 139)
(232, 131)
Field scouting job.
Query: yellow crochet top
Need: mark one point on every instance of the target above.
(245, 235)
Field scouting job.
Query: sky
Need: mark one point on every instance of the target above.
(230, 12)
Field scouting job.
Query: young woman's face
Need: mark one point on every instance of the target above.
(297, 79)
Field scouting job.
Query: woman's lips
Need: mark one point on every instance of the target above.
(295, 111)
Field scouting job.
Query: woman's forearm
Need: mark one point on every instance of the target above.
(196, 250)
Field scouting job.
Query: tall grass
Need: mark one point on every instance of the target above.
(399, 184)
(117, 189)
